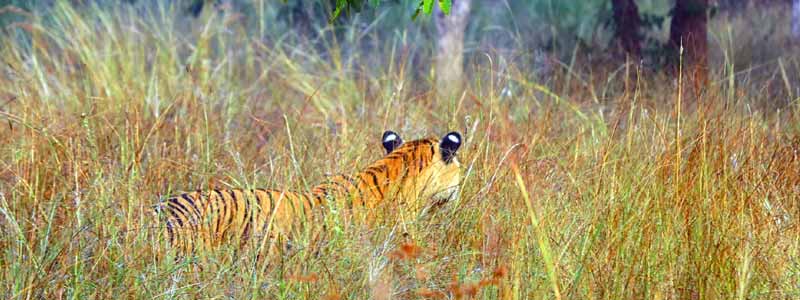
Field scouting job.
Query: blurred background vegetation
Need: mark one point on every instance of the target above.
(540, 33)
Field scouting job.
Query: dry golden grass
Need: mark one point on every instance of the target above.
(591, 185)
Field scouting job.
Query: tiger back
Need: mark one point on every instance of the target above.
(205, 219)
(420, 169)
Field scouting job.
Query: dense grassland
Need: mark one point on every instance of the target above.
(583, 183)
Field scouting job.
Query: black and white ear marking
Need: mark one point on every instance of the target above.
(391, 140)
(449, 145)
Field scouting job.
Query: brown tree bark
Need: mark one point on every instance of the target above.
(627, 21)
(449, 61)
(688, 29)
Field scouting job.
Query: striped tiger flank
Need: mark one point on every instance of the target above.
(371, 186)
(206, 219)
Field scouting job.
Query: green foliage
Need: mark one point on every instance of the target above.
(445, 6)
(425, 6)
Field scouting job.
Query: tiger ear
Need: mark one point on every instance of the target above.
(391, 140)
(449, 145)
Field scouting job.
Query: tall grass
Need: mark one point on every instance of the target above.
(593, 183)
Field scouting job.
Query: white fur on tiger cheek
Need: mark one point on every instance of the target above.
(453, 138)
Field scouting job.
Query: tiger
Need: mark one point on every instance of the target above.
(420, 169)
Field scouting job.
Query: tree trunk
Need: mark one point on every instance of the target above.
(796, 19)
(449, 64)
(627, 21)
(688, 29)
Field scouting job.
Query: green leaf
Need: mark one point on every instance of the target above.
(427, 6)
(340, 4)
(416, 13)
(445, 6)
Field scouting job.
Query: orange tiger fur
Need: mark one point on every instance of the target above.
(420, 169)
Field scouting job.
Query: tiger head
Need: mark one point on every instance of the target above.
(425, 168)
